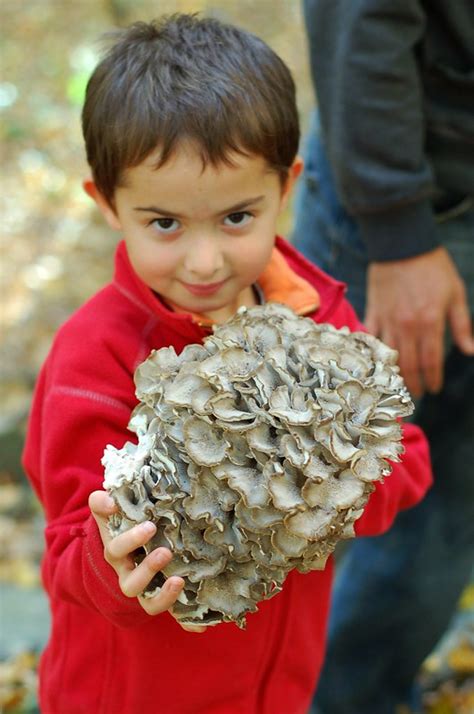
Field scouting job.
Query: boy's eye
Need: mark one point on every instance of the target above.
(166, 225)
(238, 219)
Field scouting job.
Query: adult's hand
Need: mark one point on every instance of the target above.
(409, 304)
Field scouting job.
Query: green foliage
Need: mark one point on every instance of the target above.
(76, 87)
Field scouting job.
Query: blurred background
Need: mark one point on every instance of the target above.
(56, 252)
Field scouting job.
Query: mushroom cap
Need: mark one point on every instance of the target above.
(257, 451)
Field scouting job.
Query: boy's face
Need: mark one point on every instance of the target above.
(200, 237)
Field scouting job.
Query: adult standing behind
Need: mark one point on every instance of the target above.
(387, 205)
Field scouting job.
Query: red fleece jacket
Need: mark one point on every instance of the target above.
(105, 654)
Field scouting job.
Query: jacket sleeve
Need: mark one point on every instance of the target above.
(69, 428)
(364, 63)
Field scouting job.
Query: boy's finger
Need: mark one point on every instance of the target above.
(165, 599)
(194, 628)
(102, 507)
(134, 579)
(101, 504)
(125, 543)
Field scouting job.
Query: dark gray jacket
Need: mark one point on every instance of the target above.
(395, 87)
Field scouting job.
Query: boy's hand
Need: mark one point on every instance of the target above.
(133, 579)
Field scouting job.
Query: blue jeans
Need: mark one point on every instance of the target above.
(395, 594)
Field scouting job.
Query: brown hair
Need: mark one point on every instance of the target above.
(184, 77)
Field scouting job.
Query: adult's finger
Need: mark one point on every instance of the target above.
(431, 351)
(371, 321)
(460, 322)
(408, 360)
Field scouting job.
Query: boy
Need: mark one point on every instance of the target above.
(191, 133)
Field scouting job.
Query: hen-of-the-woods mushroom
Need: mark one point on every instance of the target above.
(257, 451)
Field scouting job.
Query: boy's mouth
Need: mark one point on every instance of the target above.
(204, 289)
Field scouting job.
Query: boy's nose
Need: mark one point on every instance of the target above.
(204, 260)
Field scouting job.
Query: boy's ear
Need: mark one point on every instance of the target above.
(293, 172)
(104, 206)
